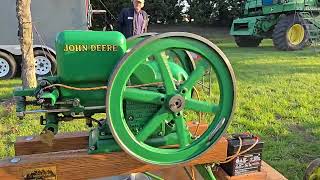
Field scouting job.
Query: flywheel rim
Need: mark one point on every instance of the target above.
(152, 155)
(134, 40)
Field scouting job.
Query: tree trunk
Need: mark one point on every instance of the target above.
(28, 74)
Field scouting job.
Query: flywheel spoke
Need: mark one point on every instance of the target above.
(182, 131)
(166, 73)
(140, 95)
(201, 106)
(195, 75)
(153, 124)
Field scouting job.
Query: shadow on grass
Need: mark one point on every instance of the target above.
(10, 85)
(230, 48)
(251, 72)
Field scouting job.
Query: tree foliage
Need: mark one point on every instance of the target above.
(164, 11)
(170, 11)
(201, 11)
(207, 12)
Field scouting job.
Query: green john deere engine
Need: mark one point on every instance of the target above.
(145, 86)
(292, 24)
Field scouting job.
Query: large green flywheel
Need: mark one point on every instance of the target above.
(132, 41)
(169, 96)
(179, 56)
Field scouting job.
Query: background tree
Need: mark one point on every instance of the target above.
(28, 74)
(165, 11)
(173, 10)
(201, 11)
(220, 12)
(227, 10)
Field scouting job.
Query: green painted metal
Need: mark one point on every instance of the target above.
(80, 59)
(51, 122)
(259, 17)
(153, 176)
(149, 72)
(244, 26)
(134, 40)
(267, 23)
(145, 82)
(86, 59)
(134, 94)
(180, 57)
(101, 141)
(134, 144)
(87, 98)
(313, 22)
(256, 26)
(20, 103)
(51, 97)
(205, 171)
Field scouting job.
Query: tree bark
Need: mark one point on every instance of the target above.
(28, 74)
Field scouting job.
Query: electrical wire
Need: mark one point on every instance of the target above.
(43, 44)
(239, 152)
(99, 87)
(104, 87)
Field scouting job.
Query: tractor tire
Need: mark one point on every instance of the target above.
(46, 63)
(8, 66)
(290, 33)
(313, 170)
(247, 41)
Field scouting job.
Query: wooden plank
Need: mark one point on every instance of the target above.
(177, 173)
(62, 142)
(222, 175)
(69, 141)
(79, 165)
(272, 173)
(267, 173)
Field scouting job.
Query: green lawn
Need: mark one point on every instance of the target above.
(278, 98)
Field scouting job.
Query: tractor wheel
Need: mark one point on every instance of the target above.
(8, 66)
(46, 64)
(247, 41)
(290, 33)
(168, 100)
(313, 170)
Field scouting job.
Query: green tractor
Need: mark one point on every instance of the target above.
(291, 24)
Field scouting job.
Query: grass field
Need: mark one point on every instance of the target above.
(278, 98)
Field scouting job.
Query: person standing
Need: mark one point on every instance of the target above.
(133, 21)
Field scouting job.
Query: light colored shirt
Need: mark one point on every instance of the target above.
(138, 21)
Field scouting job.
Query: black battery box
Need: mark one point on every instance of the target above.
(247, 162)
